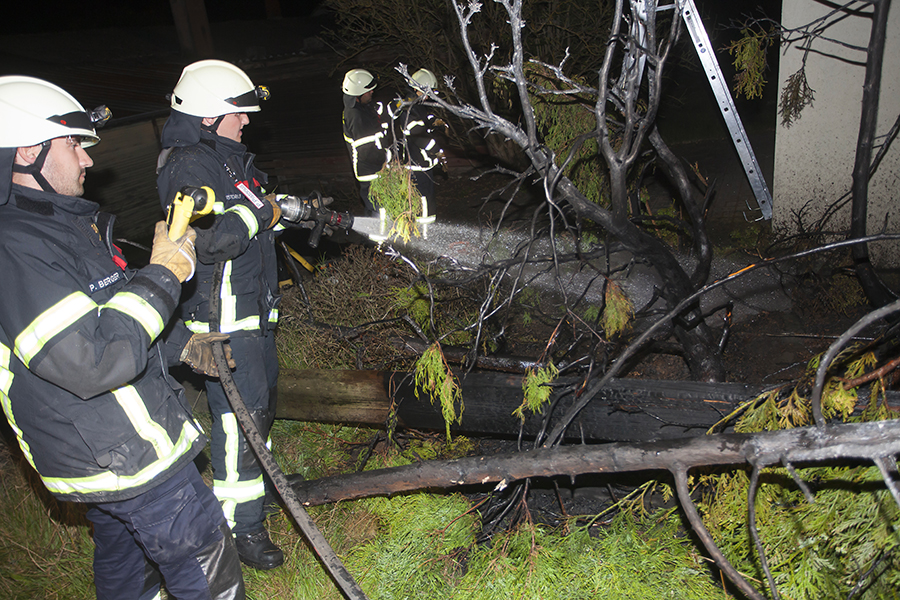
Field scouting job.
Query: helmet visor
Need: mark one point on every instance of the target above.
(250, 98)
(73, 120)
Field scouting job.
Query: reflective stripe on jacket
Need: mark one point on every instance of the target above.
(232, 236)
(417, 127)
(83, 369)
(366, 138)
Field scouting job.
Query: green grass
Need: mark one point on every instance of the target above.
(45, 547)
(409, 546)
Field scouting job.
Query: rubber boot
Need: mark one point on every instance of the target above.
(257, 550)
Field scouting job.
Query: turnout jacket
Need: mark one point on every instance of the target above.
(84, 377)
(236, 236)
(366, 138)
(417, 127)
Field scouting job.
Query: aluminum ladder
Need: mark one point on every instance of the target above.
(720, 89)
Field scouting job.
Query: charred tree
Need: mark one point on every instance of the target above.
(624, 108)
(864, 441)
(877, 292)
(876, 443)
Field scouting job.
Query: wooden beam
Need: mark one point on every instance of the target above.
(192, 26)
(628, 410)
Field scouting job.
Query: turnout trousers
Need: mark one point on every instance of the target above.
(238, 480)
(175, 530)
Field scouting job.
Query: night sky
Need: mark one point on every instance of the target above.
(27, 16)
(68, 15)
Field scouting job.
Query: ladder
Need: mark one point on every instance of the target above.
(720, 89)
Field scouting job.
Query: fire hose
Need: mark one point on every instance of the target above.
(190, 203)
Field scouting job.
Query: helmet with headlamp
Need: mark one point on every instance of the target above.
(33, 111)
(212, 88)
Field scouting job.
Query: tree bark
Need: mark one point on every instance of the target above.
(625, 410)
(864, 442)
(877, 293)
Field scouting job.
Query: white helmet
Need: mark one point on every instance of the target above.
(33, 111)
(425, 78)
(212, 88)
(357, 82)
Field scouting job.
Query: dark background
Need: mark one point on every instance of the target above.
(27, 17)
(23, 16)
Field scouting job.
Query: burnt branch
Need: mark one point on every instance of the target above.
(866, 442)
(877, 443)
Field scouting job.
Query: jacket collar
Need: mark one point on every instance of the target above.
(222, 145)
(31, 199)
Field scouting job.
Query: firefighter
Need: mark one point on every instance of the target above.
(364, 132)
(84, 365)
(418, 126)
(202, 146)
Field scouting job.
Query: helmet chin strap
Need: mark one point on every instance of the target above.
(35, 168)
(214, 126)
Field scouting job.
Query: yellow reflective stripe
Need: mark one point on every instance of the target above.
(247, 324)
(131, 402)
(138, 309)
(231, 491)
(239, 491)
(232, 446)
(50, 322)
(229, 322)
(6, 379)
(246, 215)
(197, 326)
(354, 146)
(232, 456)
(354, 158)
(218, 208)
(409, 126)
(110, 482)
(231, 488)
(375, 138)
(228, 302)
(273, 315)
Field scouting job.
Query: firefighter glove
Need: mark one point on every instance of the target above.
(198, 354)
(178, 256)
(266, 211)
(276, 211)
(274, 201)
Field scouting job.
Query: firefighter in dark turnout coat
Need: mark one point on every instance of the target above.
(202, 147)
(83, 366)
(364, 132)
(418, 126)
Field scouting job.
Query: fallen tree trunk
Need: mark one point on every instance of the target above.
(625, 410)
(864, 441)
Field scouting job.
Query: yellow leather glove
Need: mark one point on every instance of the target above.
(272, 199)
(198, 355)
(178, 256)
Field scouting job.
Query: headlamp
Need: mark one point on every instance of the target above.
(250, 98)
(100, 115)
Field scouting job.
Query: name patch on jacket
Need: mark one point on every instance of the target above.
(248, 194)
(105, 282)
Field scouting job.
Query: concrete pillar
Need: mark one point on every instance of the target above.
(814, 156)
